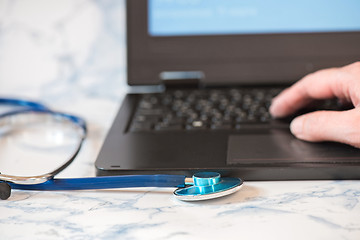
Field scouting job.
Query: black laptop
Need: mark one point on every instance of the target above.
(212, 68)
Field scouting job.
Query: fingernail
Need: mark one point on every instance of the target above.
(272, 104)
(296, 126)
(273, 108)
(276, 110)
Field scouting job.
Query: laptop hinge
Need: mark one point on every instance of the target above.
(182, 79)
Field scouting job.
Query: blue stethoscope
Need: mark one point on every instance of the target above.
(202, 186)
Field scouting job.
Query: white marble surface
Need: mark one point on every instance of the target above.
(70, 55)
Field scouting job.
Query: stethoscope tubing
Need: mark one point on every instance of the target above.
(105, 182)
(31, 106)
(28, 105)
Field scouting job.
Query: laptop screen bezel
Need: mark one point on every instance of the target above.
(249, 59)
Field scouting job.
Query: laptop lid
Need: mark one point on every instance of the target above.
(239, 42)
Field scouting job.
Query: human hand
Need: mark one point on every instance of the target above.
(339, 126)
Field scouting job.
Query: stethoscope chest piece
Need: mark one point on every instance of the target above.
(208, 185)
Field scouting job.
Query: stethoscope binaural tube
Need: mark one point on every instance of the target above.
(24, 112)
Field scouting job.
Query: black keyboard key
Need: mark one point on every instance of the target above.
(168, 127)
(153, 111)
(141, 127)
(196, 125)
(221, 126)
(147, 118)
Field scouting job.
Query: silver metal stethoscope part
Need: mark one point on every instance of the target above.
(26, 180)
(27, 117)
(202, 186)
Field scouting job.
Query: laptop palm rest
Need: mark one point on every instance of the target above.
(281, 147)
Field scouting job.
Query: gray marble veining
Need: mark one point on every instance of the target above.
(70, 55)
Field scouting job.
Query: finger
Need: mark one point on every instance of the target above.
(322, 84)
(338, 126)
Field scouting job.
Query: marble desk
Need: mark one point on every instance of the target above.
(70, 55)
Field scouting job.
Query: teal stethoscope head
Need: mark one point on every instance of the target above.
(208, 185)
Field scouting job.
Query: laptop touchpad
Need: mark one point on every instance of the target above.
(282, 147)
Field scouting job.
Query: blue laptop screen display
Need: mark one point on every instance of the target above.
(214, 17)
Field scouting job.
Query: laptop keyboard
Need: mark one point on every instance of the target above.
(189, 110)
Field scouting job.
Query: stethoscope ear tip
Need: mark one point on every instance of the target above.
(5, 190)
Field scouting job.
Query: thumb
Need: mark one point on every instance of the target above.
(337, 126)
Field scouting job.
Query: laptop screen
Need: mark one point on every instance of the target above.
(239, 42)
(214, 17)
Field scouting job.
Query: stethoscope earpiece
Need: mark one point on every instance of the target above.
(5, 190)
